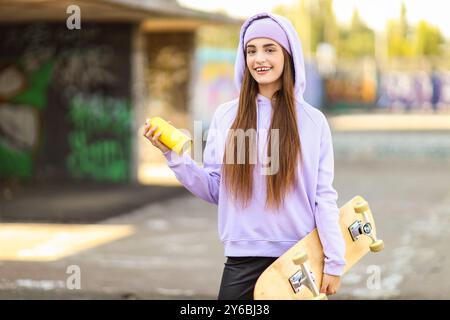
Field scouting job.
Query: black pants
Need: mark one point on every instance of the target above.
(240, 275)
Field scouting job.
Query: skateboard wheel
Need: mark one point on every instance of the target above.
(321, 296)
(361, 206)
(377, 246)
(300, 258)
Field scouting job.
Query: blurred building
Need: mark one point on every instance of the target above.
(78, 79)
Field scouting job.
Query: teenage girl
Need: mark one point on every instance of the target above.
(269, 201)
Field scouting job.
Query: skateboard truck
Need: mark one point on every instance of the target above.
(305, 277)
(364, 227)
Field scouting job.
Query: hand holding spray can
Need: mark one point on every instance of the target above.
(171, 137)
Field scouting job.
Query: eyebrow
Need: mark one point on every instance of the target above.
(264, 46)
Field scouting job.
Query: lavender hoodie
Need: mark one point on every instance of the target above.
(256, 230)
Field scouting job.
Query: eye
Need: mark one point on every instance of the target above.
(250, 51)
(270, 50)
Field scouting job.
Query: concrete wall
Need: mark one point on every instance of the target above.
(65, 101)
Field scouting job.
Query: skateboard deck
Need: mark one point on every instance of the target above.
(297, 274)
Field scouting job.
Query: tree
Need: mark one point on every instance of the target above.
(427, 40)
(314, 21)
(357, 40)
(398, 36)
(408, 41)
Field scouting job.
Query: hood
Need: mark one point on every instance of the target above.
(296, 50)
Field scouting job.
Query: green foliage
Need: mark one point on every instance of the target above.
(314, 21)
(357, 40)
(428, 40)
(404, 40)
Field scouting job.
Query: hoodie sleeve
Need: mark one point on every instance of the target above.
(203, 182)
(327, 211)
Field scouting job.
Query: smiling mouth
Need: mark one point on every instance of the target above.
(263, 70)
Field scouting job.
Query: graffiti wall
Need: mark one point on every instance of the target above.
(415, 90)
(212, 81)
(55, 84)
(22, 100)
(99, 141)
(409, 86)
(314, 90)
(352, 85)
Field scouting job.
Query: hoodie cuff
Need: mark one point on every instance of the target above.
(334, 269)
(172, 158)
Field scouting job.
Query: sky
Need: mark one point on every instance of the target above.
(374, 12)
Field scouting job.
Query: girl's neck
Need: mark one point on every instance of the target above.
(268, 90)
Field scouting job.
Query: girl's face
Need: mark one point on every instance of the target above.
(265, 61)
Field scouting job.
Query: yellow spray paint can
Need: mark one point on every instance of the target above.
(171, 137)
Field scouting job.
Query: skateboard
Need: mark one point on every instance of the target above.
(297, 274)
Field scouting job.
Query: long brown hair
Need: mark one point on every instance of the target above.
(238, 176)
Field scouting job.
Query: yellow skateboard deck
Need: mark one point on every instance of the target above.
(297, 274)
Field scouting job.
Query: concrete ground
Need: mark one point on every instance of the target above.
(76, 202)
(174, 252)
(168, 245)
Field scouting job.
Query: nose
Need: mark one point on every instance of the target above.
(260, 58)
